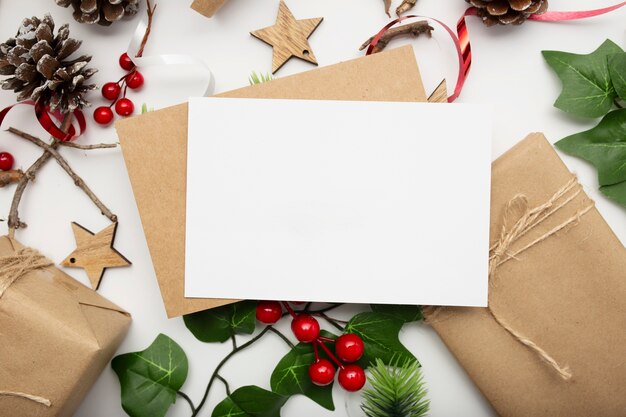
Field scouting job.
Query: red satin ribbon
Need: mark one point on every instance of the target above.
(45, 120)
(462, 42)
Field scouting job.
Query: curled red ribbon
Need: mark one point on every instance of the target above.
(44, 117)
(462, 42)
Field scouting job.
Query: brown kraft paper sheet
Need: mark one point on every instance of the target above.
(157, 142)
(56, 337)
(566, 293)
(207, 7)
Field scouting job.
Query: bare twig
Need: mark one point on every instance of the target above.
(78, 181)
(405, 6)
(387, 6)
(146, 35)
(414, 29)
(14, 221)
(10, 177)
(88, 147)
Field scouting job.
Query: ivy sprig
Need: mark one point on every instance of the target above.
(152, 380)
(594, 85)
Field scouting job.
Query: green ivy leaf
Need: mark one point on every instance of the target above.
(604, 146)
(250, 401)
(151, 378)
(219, 324)
(291, 375)
(616, 192)
(587, 87)
(379, 332)
(405, 313)
(617, 69)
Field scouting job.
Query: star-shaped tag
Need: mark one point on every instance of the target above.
(94, 252)
(289, 37)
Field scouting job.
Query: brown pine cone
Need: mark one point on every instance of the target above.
(38, 65)
(508, 12)
(102, 12)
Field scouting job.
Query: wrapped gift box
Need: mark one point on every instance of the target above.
(558, 283)
(56, 335)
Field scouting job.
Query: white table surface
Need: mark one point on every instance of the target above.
(508, 73)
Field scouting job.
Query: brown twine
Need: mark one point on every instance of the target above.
(15, 266)
(40, 400)
(12, 268)
(500, 252)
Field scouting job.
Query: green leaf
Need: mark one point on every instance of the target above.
(219, 324)
(617, 69)
(403, 312)
(616, 192)
(259, 78)
(396, 390)
(379, 332)
(587, 87)
(604, 146)
(291, 375)
(151, 378)
(250, 401)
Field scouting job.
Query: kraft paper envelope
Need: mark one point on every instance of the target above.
(157, 142)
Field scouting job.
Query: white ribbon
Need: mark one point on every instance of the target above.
(158, 60)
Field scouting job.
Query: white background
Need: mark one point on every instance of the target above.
(508, 73)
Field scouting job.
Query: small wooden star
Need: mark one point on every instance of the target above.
(94, 252)
(289, 37)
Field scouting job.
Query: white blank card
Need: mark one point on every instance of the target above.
(360, 202)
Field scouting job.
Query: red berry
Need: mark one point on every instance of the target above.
(111, 91)
(6, 161)
(125, 62)
(349, 347)
(352, 377)
(268, 312)
(124, 107)
(306, 328)
(103, 115)
(322, 372)
(134, 80)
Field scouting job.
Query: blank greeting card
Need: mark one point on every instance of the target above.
(361, 202)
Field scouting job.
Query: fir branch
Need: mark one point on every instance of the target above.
(259, 78)
(395, 391)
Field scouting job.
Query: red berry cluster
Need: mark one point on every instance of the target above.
(6, 161)
(348, 347)
(112, 90)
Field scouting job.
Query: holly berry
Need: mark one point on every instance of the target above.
(103, 115)
(306, 328)
(111, 91)
(349, 347)
(134, 80)
(6, 161)
(268, 312)
(322, 372)
(124, 107)
(351, 377)
(125, 62)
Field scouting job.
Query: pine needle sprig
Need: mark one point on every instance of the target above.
(395, 391)
(259, 78)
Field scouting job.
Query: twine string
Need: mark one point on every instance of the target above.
(500, 252)
(12, 268)
(35, 398)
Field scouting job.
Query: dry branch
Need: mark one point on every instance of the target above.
(405, 6)
(414, 29)
(78, 181)
(387, 7)
(10, 177)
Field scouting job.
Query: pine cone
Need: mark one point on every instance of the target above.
(103, 12)
(508, 12)
(38, 67)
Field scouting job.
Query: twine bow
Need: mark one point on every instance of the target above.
(12, 268)
(501, 251)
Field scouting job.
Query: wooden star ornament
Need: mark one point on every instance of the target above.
(289, 37)
(94, 252)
